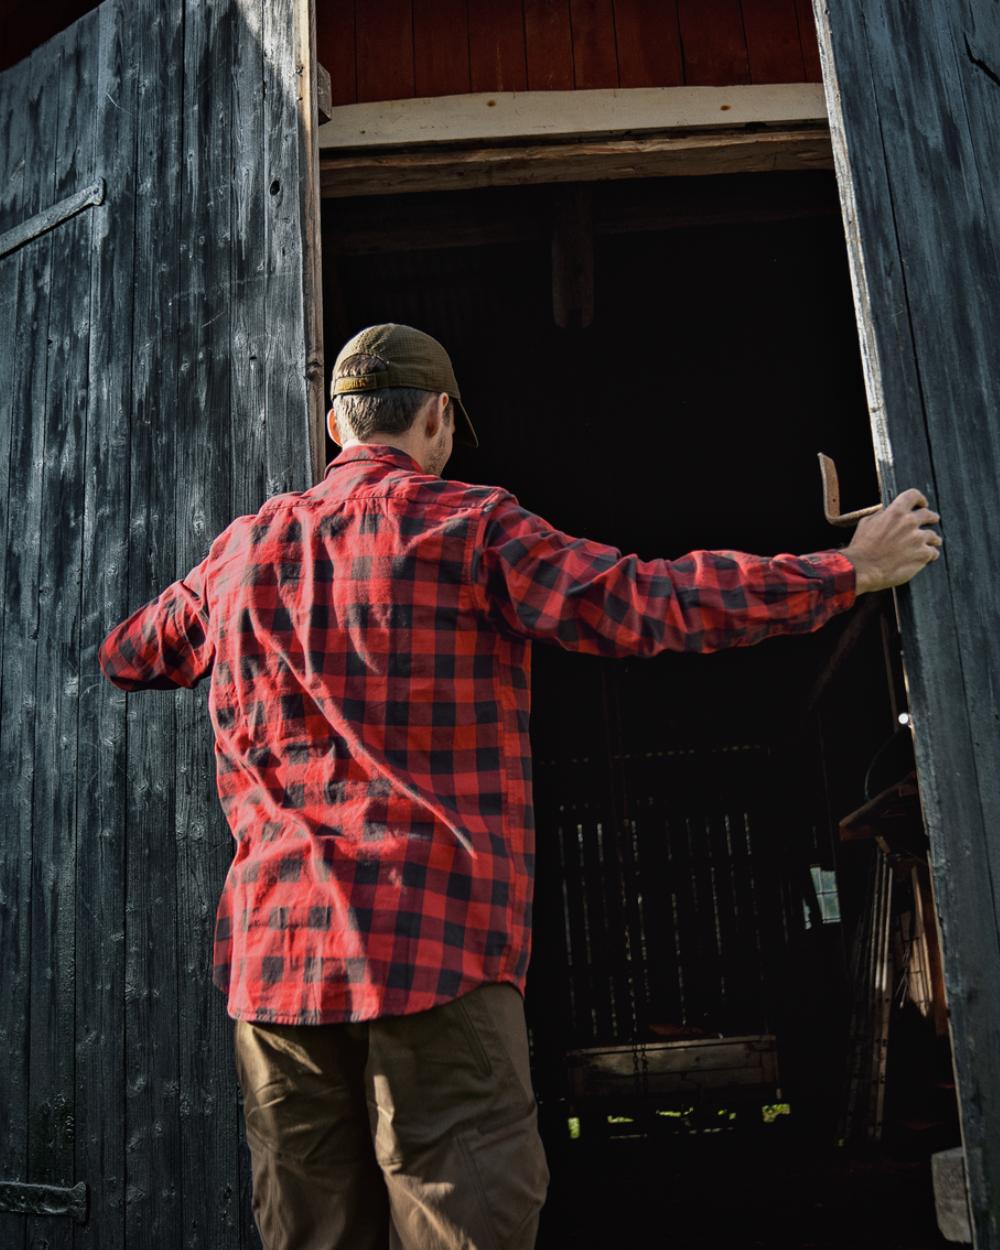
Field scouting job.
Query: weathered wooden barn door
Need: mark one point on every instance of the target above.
(159, 374)
(913, 92)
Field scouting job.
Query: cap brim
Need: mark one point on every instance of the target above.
(465, 432)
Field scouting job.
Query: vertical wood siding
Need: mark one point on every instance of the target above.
(101, 894)
(915, 118)
(27, 1125)
(157, 388)
(666, 881)
(398, 49)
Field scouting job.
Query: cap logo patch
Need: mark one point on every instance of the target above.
(368, 382)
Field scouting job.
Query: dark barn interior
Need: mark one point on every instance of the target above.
(735, 1002)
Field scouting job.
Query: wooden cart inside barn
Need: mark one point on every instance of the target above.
(674, 251)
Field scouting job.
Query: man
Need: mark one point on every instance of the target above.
(369, 642)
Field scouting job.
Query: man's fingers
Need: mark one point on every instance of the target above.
(925, 516)
(909, 499)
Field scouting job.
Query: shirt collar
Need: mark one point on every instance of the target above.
(374, 451)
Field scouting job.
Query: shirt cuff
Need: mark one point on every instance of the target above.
(843, 577)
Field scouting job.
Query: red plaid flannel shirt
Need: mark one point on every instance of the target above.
(368, 642)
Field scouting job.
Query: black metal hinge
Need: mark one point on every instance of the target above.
(24, 1199)
(50, 217)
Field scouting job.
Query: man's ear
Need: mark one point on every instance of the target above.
(331, 425)
(436, 414)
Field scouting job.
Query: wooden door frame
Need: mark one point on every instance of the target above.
(914, 117)
(496, 139)
(311, 86)
(468, 142)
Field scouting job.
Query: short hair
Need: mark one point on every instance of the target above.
(387, 410)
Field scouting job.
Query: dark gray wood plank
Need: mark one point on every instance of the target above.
(38, 121)
(914, 121)
(138, 455)
(153, 1212)
(248, 354)
(287, 388)
(101, 773)
(248, 322)
(13, 88)
(204, 443)
(62, 417)
(310, 75)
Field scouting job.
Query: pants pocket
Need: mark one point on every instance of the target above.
(510, 1171)
(307, 1112)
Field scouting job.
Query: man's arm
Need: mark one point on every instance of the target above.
(165, 643)
(587, 596)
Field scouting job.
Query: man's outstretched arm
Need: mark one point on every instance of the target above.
(587, 596)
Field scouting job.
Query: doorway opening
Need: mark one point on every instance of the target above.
(735, 1000)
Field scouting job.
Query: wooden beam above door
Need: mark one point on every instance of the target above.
(526, 116)
(464, 168)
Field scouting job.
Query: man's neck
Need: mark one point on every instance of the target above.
(400, 444)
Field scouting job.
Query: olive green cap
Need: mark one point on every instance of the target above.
(411, 358)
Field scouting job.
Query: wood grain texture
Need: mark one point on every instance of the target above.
(248, 314)
(203, 441)
(929, 319)
(166, 342)
(497, 55)
(649, 44)
(595, 56)
(773, 45)
(306, 98)
(807, 39)
(573, 161)
(14, 884)
(292, 369)
(154, 1197)
(395, 49)
(100, 889)
(384, 32)
(336, 48)
(527, 116)
(713, 42)
(248, 325)
(441, 47)
(548, 44)
(20, 1149)
(51, 1149)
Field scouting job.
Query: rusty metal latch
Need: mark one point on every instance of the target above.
(51, 217)
(831, 497)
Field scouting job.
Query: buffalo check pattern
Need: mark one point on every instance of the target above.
(368, 644)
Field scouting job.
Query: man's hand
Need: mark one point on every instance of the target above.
(891, 546)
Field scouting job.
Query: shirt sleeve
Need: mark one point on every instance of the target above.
(586, 596)
(164, 644)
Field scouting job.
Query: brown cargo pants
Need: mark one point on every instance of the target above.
(410, 1132)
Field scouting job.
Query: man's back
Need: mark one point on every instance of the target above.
(369, 647)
